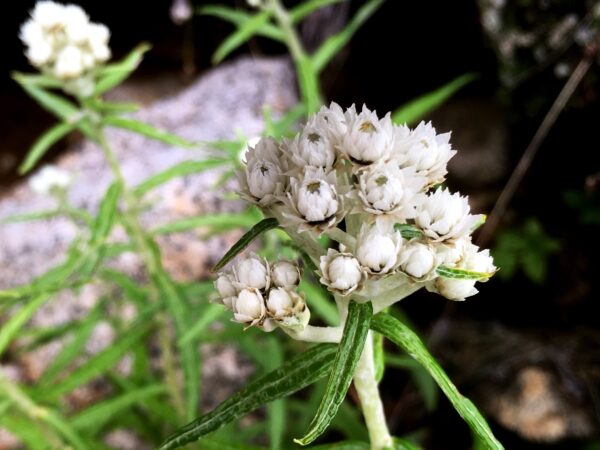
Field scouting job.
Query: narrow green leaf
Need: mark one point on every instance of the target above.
(222, 221)
(240, 18)
(130, 287)
(30, 217)
(11, 327)
(39, 80)
(114, 74)
(408, 231)
(349, 351)
(258, 229)
(403, 444)
(147, 130)
(335, 43)
(292, 376)
(209, 315)
(406, 339)
(107, 213)
(378, 356)
(416, 109)
(462, 274)
(21, 428)
(97, 364)
(105, 107)
(303, 9)
(217, 444)
(244, 32)
(43, 144)
(181, 169)
(92, 419)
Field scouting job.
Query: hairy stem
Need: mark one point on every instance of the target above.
(370, 401)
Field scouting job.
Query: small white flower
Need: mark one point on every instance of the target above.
(377, 248)
(444, 216)
(181, 11)
(263, 178)
(313, 202)
(368, 139)
(76, 24)
(285, 274)
(341, 272)
(252, 272)
(224, 285)
(418, 260)
(427, 152)
(287, 308)
(69, 63)
(312, 147)
(48, 14)
(98, 36)
(385, 189)
(48, 179)
(472, 260)
(249, 307)
(334, 122)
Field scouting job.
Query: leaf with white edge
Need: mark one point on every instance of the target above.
(349, 351)
(416, 109)
(258, 229)
(147, 130)
(181, 169)
(462, 274)
(335, 43)
(408, 231)
(114, 74)
(43, 144)
(295, 374)
(406, 339)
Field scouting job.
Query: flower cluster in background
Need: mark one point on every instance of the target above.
(373, 187)
(62, 42)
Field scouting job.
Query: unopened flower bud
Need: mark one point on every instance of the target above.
(377, 248)
(225, 288)
(417, 260)
(287, 308)
(312, 147)
(249, 306)
(341, 272)
(263, 178)
(252, 272)
(285, 274)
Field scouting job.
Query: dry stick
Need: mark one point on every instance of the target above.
(525, 161)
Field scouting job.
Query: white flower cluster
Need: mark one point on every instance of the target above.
(50, 179)
(263, 294)
(62, 42)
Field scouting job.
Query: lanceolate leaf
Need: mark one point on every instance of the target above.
(419, 107)
(462, 274)
(10, 328)
(406, 339)
(43, 144)
(292, 376)
(114, 74)
(342, 372)
(147, 130)
(258, 229)
(408, 231)
(106, 215)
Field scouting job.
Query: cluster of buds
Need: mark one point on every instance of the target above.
(262, 294)
(63, 43)
(50, 179)
(373, 187)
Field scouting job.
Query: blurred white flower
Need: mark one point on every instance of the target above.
(443, 216)
(377, 248)
(285, 274)
(48, 179)
(252, 272)
(341, 272)
(181, 11)
(367, 139)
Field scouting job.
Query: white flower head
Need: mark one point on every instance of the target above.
(263, 177)
(252, 272)
(341, 272)
(48, 179)
(249, 307)
(313, 202)
(287, 308)
(368, 139)
(377, 248)
(385, 189)
(472, 260)
(225, 286)
(334, 122)
(427, 152)
(312, 146)
(418, 260)
(285, 274)
(443, 216)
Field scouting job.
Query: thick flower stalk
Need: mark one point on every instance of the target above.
(372, 188)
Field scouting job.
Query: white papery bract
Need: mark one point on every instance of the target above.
(62, 42)
(50, 178)
(425, 151)
(312, 146)
(285, 274)
(341, 272)
(263, 179)
(287, 308)
(367, 139)
(377, 248)
(252, 272)
(444, 216)
(249, 307)
(418, 260)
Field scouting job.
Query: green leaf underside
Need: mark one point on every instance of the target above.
(43, 144)
(406, 339)
(462, 274)
(349, 351)
(416, 109)
(258, 229)
(292, 376)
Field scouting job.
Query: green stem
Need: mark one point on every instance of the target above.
(370, 400)
(307, 76)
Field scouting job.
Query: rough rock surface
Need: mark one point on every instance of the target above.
(225, 101)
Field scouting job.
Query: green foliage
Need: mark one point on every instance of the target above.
(527, 248)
